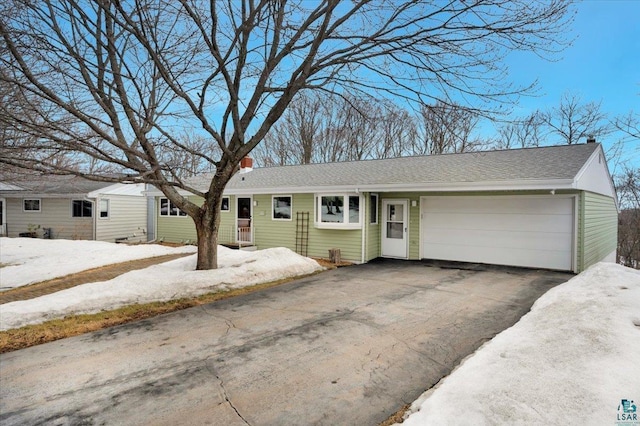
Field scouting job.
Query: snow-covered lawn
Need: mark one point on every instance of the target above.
(572, 360)
(31, 260)
(166, 281)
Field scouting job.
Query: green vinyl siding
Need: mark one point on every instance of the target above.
(598, 229)
(270, 233)
(176, 229)
(372, 231)
(596, 238)
(181, 229)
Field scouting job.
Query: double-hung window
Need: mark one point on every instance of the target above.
(81, 208)
(225, 204)
(168, 208)
(104, 209)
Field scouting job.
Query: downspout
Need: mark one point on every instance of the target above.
(363, 229)
(94, 219)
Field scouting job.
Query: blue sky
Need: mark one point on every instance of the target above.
(602, 65)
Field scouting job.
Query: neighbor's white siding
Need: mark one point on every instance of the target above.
(55, 213)
(127, 219)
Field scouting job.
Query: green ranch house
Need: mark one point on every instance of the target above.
(548, 207)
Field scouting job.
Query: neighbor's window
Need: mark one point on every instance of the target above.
(373, 210)
(167, 208)
(338, 211)
(31, 205)
(281, 207)
(225, 204)
(104, 209)
(81, 208)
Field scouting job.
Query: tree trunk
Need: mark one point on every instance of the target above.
(207, 226)
(207, 246)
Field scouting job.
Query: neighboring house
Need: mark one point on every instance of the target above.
(549, 207)
(71, 207)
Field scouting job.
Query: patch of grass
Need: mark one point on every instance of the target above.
(36, 334)
(397, 416)
(2, 265)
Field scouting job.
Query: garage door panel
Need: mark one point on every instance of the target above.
(517, 257)
(501, 239)
(491, 205)
(510, 222)
(507, 230)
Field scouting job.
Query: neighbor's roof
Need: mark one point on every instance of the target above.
(529, 168)
(49, 185)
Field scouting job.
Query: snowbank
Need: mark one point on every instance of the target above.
(166, 281)
(32, 260)
(571, 360)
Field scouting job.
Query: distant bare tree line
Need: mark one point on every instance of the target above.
(320, 128)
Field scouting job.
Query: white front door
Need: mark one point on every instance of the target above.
(3, 217)
(394, 228)
(243, 219)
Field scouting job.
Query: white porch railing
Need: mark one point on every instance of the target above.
(241, 235)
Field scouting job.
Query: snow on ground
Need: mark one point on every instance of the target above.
(33, 260)
(170, 280)
(572, 360)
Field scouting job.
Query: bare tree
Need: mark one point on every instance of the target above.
(520, 133)
(125, 78)
(294, 139)
(397, 132)
(629, 124)
(446, 128)
(189, 161)
(573, 119)
(628, 189)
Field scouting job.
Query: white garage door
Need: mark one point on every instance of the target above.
(524, 231)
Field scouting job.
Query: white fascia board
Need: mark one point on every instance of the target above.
(417, 187)
(77, 196)
(155, 192)
(131, 189)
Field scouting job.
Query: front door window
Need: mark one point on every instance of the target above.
(244, 220)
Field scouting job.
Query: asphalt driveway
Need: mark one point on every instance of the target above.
(348, 346)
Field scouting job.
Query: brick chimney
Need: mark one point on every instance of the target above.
(246, 165)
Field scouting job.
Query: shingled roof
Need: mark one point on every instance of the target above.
(50, 185)
(528, 168)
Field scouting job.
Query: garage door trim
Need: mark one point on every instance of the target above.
(574, 213)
